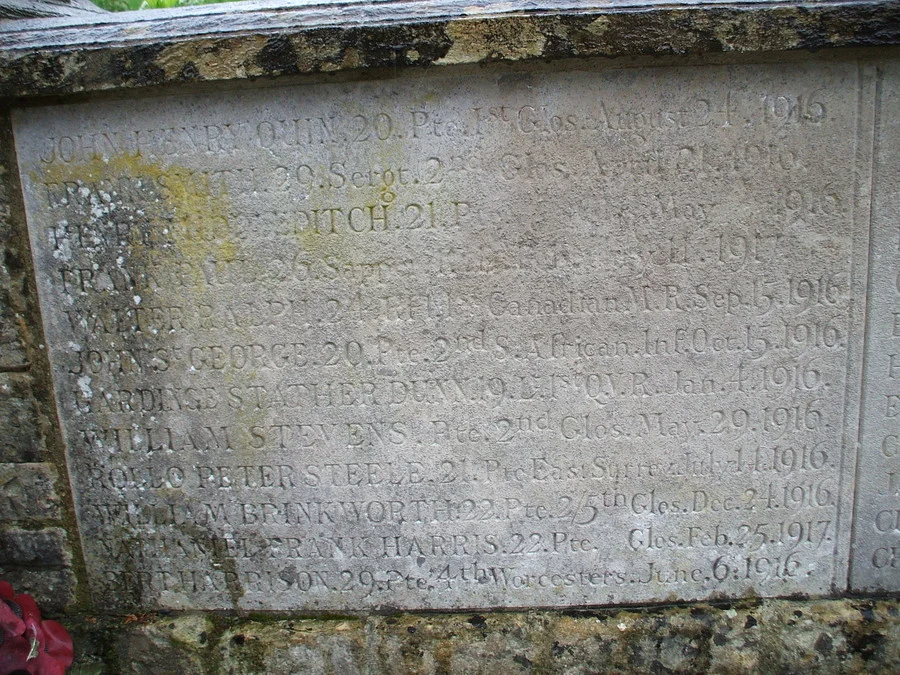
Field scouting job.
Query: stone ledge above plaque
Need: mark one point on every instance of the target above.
(278, 39)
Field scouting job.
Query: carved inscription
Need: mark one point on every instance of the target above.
(875, 565)
(523, 339)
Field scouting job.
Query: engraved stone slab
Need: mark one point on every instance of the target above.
(876, 540)
(475, 339)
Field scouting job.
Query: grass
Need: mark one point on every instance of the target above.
(129, 5)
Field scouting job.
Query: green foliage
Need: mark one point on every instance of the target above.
(129, 5)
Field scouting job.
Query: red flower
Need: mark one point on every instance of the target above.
(27, 643)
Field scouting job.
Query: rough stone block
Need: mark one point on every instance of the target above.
(19, 435)
(53, 588)
(12, 347)
(296, 646)
(170, 646)
(765, 636)
(523, 335)
(34, 548)
(28, 492)
(515, 643)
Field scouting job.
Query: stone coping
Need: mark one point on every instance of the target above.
(66, 55)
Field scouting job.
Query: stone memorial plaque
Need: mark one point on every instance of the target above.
(876, 542)
(481, 338)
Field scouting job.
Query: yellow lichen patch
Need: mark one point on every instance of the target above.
(352, 58)
(599, 26)
(477, 41)
(214, 64)
(178, 220)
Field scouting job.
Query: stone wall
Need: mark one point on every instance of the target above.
(39, 543)
(35, 544)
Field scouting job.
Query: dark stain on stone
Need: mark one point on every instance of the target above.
(867, 644)
(203, 638)
(824, 644)
(388, 46)
(278, 56)
(584, 614)
(189, 71)
(478, 621)
(699, 648)
(319, 47)
(411, 650)
(432, 43)
(523, 661)
(51, 71)
(867, 26)
(720, 639)
(797, 596)
(557, 43)
(12, 262)
(138, 66)
(238, 640)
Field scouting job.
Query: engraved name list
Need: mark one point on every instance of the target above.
(522, 338)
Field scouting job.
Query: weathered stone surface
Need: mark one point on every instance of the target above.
(876, 546)
(12, 350)
(12, 345)
(555, 336)
(169, 647)
(771, 636)
(39, 562)
(19, 431)
(53, 588)
(45, 547)
(311, 646)
(28, 492)
(214, 43)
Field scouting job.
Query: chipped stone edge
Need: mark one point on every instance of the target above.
(69, 59)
